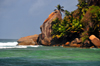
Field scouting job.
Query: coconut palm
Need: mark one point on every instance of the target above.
(60, 8)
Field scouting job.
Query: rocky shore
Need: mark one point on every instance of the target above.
(45, 37)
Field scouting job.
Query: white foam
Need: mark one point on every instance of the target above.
(30, 45)
(8, 44)
(14, 45)
(33, 46)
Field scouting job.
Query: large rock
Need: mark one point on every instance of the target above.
(76, 43)
(28, 40)
(45, 37)
(95, 40)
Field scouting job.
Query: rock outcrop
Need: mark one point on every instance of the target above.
(95, 40)
(28, 40)
(76, 43)
(45, 37)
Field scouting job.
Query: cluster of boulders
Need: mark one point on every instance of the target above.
(45, 38)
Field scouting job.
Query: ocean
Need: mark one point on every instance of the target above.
(12, 55)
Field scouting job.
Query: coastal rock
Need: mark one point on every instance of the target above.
(28, 40)
(67, 43)
(95, 40)
(45, 38)
(76, 43)
(87, 44)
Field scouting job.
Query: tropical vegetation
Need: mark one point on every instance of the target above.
(82, 22)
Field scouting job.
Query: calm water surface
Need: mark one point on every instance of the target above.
(49, 56)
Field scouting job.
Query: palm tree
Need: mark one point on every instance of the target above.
(60, 8)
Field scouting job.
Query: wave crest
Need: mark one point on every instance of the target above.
(8, 43)
(14, 45)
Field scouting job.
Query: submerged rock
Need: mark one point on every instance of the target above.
(28, 40)
(45, 37)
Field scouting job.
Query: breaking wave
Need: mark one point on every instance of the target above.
(6, 45)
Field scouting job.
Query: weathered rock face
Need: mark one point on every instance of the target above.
(28, 40)
(45, 37)
(95, 40)
(76, 43)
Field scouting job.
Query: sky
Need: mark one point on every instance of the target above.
(20, 18)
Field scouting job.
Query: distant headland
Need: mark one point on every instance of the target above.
(80, 28)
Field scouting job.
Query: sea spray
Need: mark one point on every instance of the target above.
(11, 43)
(8, 44)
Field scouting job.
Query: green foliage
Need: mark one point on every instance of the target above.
(84, 10)
(70, 24)
(82, 4)
(67, 26)
(55, 26)
(67, 13)
(95, 10)
(84, 36)
(95, 28)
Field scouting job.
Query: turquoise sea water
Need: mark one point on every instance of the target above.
(49, 56)
(12, 55)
